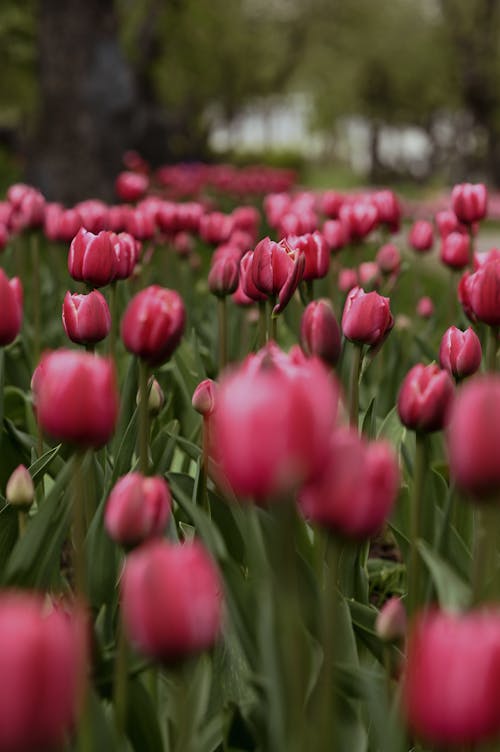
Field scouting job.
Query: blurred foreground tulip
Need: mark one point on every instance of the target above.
(460, 352)
(137, 509)
(425, 398)
(320, 332)
(11, 295)
(470, 202)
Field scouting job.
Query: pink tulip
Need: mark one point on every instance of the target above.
(153, 324)
(425, 398)
(367, 318)
(138, 508)
(460, 352)
(86, 318)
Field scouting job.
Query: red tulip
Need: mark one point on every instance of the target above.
(447, 223)
(421, 237)
(348, 278)
(246, 218)
(246, 279)
(11, 295)
(452, 678)
(94, 214)
(216, 227)
(320, 332)
(480, 292)
(86, 318)
(76, 397)
(455, 250)
(153, 324)
(473, 436)
(460, 352)
(469, 202)
(223, 276)
(204, 397)
(334, 234)
(43, 661)
(388, 208)
(369, 275)
(276, 270)
(367, 318)
(316, 253)
(141, 224)
(388, 259)
(331, 201)
(359, 219)
(127, 250)
(92, 258)
(425, 308)
(138, 508)
(131, 186)
(425, 398)
(171, 600)
(356, 491)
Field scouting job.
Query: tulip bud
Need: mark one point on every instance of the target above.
(348, 278)
(331, 201)
(388, 259)
(216, 227)
(425, 308)
(425, 398)
(320, 332)
(76, 397)
(126, 250)
(131, 186)
(469, 202)
(20, 490)
(334, 234)
(460, 352)
(153, 324)
(356, 489)
(43, 664)
(358, 219)
(452, 678)
(94, 214)
(204, 397)
(390, 624)
(455, 250)
(92, 258)
(367, 318)
(421, 237)
(11, 295)
(86, 318)
(138, 508)
(369, 275)
(388, 208)
(171, 600)
(478, 293)
(223, 275)
(276, 270)
(156, 397)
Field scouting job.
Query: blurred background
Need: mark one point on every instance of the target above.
(348, 92)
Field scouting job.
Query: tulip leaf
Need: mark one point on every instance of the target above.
(182, 489)
(2, 387)
(453, 593)
(37, 468)
(8, 533)
(143, 729)
(102, 560)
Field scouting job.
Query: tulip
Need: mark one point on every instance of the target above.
(216, 227)
(20, 490)
(479, 292)
(276, 271)
(156, 397)
(469, 202)
(131, 186)
(141, 224)
(388, 259)
(94, 214)
(86, 318)
(425, 308)
(367, 318)
(273, 421)
(455, 250)
(224, 274)
(246, 279)
(138, 508)
(11, 295)
(315, 250)
(29, 209)
(388, 208)
(358, 219)
(334, 234)
(357, 488)
(171, 600)
(76, 397)
(447, 223)
(460, 352)
(421, 237)
(246, 218)
(320, 332)
(153, 324)
(43, 657)
(92, 258)
(297, 223)
(425, 398)
(369, 275)
(348, 278)
(390, 624)
(452, 678)
(473, 436)
(204, 397)
(331, 201)
(126, 249)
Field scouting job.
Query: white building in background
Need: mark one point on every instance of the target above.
(282, 123)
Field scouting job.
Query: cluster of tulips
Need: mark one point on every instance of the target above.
(269, 523)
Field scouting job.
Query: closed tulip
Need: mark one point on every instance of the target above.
(273, 421)
(276, 270)
(460, 352)
(388, 208)
(204, 397)
(367, 318)
(43, 660)
(334, 234)
(86, 318)
(320, 332)
(131, 186)
(358, 218)
(452, 678)
(11, 295)
(171, 600)
(447, 222)
(421, 237)
(76, 397)
(138, 508)
(425, 308)
(469, 202)
(356, 491)
(127, 250)
(479, 292)
(455, 250)
(473, 436)
(388, 259)
(425, 398)
(153, 324)
(316, 254)
(92, 258)
(223, 276)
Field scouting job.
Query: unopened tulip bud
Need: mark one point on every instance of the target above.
(131, 186)
(390, 624)
(367, 317)
(223, 275)
(320, 332)
(204, 397)
(460, 352)
(20, 490)
(156, 398)
(388, 259)
(92, 258)
(455, 250)
(421, 237)
(425, 308)
(138, 509)
(425, 398)
(86, 318)
(469, 202)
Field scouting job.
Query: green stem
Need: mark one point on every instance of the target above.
(484, 579)
(329, 609)
(79, 527)
(416, 507)
(222, 318)
(205, 459)
(112, 331)
(472, 244)
(272, 332)
(143, 417)
(357, 358)
(90, 347)
(22, 519)
(120, 679)
(262, 323)
(310, 289)
(453, 299)
(35, 252)
(491, 354)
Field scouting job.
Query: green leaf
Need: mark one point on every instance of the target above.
(37, 468)
(182, 489)
(453, 593)
(102, 560)
(142, 719)
(368, 425)
(9, 530)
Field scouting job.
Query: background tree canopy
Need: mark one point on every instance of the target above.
(84, 81)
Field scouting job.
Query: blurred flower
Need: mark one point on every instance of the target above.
(469, 202)
(421, 237)
(425, 308)
(425, 398)
(153, 324)
(367, 318)
(131, 186)
(460, 352)
(11, 295)
(138, 508)
(455, 250)
(320, 332)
